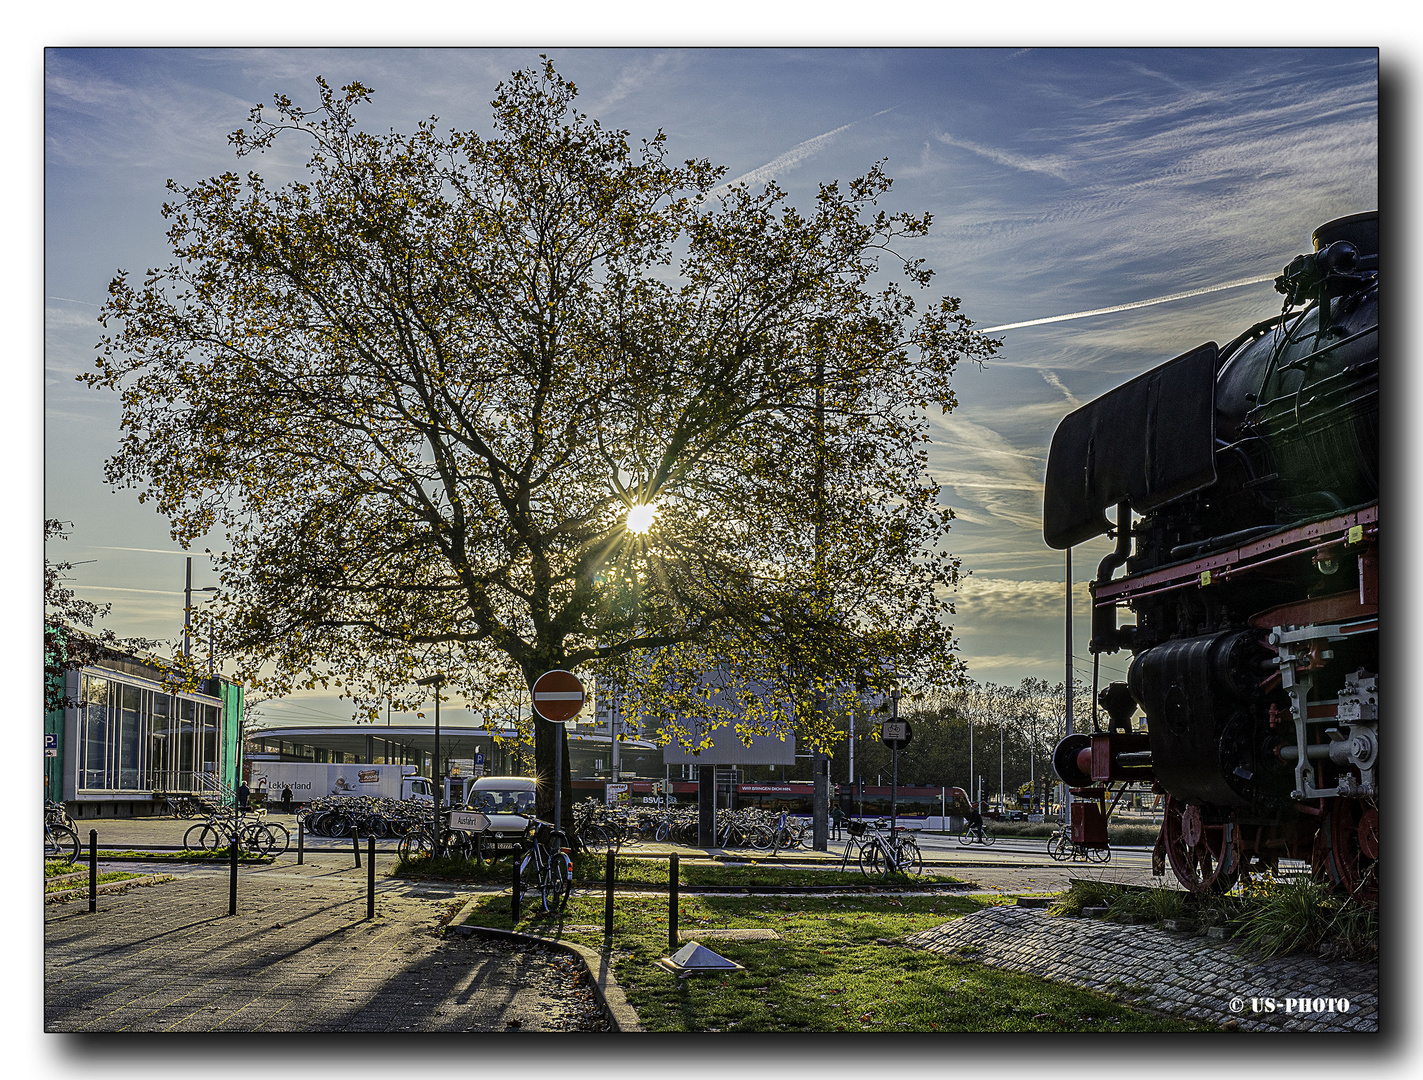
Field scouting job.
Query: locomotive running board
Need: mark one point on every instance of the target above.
(1351, 529)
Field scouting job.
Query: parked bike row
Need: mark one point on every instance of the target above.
(361, 815)
(249, 831)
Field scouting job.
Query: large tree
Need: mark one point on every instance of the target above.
(424, 391)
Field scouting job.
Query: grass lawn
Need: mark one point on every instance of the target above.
(51, 885)
(591, 869)
(192, 855)
(827, 972)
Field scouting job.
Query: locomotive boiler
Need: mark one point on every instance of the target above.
(1244, 480)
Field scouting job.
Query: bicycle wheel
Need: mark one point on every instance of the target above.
(193, 838)
(529, 875)
(872, 861)
(215, 838)
(61, 843)
(910, 858)
(562, 870)
(279, 840)
(1054, 847)
(412, 845)
(965, 836)
(663, 832)
(1097, 854)
(988, 837)
(594, 839)
(553, 881)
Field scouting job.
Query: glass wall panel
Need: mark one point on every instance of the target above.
(187, 741)
(94, 733)
(208, 760)
(130, 736)
(161, 746)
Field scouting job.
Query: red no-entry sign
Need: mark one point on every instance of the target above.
(558, 695)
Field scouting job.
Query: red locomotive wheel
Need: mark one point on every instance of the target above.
(1203, 856)
(1352, 826)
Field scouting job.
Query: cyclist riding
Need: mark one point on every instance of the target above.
(975, 822)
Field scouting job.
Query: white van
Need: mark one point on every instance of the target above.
(508, 803)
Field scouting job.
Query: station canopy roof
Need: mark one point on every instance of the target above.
(456, 740)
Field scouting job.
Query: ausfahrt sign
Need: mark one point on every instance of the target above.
(558, 695)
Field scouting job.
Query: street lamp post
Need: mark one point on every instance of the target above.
(188, 608)
(437, 681)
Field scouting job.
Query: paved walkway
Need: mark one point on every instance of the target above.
(1190, 977)
(299, 955)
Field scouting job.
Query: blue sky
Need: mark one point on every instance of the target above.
(1061, 180)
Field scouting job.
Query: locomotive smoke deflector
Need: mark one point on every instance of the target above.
(1145, 443)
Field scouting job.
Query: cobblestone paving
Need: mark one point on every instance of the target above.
(1178, 974)
(299, 956)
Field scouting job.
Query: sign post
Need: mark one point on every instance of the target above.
(558, 697)
(895, 734)
(437, 681)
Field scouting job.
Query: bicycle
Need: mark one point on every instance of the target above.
(884, 854)
(856, 837)
(56, 813)
(61, 843)
(225, 828)
(976, 834)
(182, 806)
(1061, 848)
(547, 868)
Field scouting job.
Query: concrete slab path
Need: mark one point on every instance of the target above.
(299, 955)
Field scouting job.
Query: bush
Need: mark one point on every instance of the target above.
(1273, 916)
(1282, 916)
(1085, 893)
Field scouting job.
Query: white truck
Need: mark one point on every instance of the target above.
(310, 780)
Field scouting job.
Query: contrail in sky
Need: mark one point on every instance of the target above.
(1133, 304)
(792, 157)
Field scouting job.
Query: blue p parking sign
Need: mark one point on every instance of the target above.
(51, 745)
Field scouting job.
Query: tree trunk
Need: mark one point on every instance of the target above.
(544, 735)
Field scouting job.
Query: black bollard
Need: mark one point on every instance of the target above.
(672, 875)
(300, 840)
(371, 877)
(232, 882)
(356, 849)
(514, 890)
(608, 895)
(93, 870)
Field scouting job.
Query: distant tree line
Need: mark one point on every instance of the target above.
(1030, 716)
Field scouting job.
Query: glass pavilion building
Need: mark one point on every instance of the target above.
(126, 741)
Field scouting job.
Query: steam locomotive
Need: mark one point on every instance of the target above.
(1244, 479)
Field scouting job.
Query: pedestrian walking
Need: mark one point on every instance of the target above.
(286, 798)
(243, 791)
(837, 822)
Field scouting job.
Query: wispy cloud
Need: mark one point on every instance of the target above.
(1052, 380)
(792, 157)
(1052, 165)
(1010, 598)
(631, 80)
